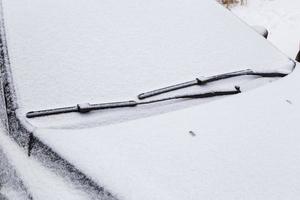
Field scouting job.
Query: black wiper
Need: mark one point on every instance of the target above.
(84, 108)
(205, 80)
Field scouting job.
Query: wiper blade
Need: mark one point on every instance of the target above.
(205, 80)
(196, 95)
(81, 108)
(84, 108)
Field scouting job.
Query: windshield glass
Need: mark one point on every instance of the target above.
(64, 54)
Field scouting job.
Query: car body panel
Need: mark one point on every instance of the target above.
(244, 146)
(238, 147)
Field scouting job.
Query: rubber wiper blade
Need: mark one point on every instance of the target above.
(205, 80)
(84, 108)
(236, 90)
(81, 108)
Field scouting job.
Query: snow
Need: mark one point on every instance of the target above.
(250, 153)
(11, 186)
(22, 177)
(42, 183)
(280, 17)
(261, 30)
(61, 57)
(63, 53)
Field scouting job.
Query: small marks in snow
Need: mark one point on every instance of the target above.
(289, 101)
(192, 133)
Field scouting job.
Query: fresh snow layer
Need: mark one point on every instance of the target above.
(243, 147)
(65, 52)
(22, 177)
(42, 183)
(68, 52)
(280, 17)
(11, 186)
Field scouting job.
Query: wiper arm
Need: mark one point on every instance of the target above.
(84, 108)
(196, 95)
(205, 80)
(81, 108)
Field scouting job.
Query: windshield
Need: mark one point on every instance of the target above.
(95, 52)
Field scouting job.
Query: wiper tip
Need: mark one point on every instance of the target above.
(238, 88)
(141, 96)
(30, 114)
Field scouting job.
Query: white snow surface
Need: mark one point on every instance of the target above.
(65, 52)
(11, 186)
(41, 182)
(280, 17)
(23, 177)
(245, 147)
(241, 147)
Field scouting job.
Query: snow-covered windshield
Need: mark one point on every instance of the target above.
(87, 107)
(64, 54)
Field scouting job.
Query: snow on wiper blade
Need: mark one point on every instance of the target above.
(81, 108)
(205, 80)
(84, 108)
(196, 95)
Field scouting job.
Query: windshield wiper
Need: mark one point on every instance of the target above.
(84, 108)
(205, 80)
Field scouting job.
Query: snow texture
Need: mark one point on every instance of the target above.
(60, 56)
(280, 17)
(63, 178)
(11, 186)
(43, 183)
(246, 147)
(67, 52)
(75, 185)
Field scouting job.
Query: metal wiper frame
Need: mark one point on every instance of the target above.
(205, 80)
(84, 108)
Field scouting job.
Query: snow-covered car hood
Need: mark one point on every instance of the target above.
(242, 146)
